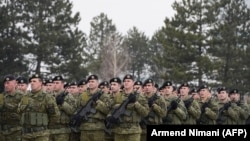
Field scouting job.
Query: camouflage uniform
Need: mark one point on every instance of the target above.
(93, 128)
(37, 109)
(228, 113)
(210, 113)
(156, 112)
(193, 110)
(129, 128)
(10, 119)
(61, 130)
(175, 116)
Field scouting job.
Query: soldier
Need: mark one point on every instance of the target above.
(104, 86)
(248, 104)
(176, 110)
(67, 106)
(228, 111)
(73, 89)
(157, 107)
(128, 129)
(194, 93)
(92, 129)
(37, 109)
(10, 120)
(237, 99)
(192, 106)
(138, 86)
(115, 93)
(209, 107)
(82, 86)
(22, 84)
(49, 86)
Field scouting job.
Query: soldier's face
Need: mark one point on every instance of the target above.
(149, 88)
(36, 84)
(115, 87)
(184, 91)
(58, 85)
(93, 84)
(222, 95)
(82, 88)
(10, 86)
(22, 87)
(128, 83)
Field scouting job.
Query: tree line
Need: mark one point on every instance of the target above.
(204, 42)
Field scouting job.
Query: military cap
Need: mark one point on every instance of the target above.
(104, 83)
(203, 87)
(148, 81)
(233, 91)
(92, 77)
(128, 76)
(138, 83)
(115, 79)
(8, 77)
(72, 83)
(58, 78)
(194, 90)
(82, 82)
(44, 81)
(35, 76)
(221, 89)
(185, 84)
(49, 80)
(167, 83)
(22, 80)
(66, 84)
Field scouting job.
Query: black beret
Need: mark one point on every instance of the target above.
(233, 91)
(167, 83)
(203, 87)
(49, 80)
(148, 81)
(92, 77)
(82, 82)
(221, 89)
(73, 83)
(194, 90)
(8, 77)
(138, 83)
(35, 76)
(128, 76)
(66, 84)
(104, 83)
(115, 79)
(156, 85)
(184, 85)
(58, 78)
(22, 80)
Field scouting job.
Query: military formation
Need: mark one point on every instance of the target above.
(34, 109)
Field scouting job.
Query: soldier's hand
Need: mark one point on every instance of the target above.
(187, 103)
(227, 105)
(174, 104)
(150, 103)
(111, 119)
(132, 99)
(59, 100)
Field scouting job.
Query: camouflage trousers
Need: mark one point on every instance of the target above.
(127, 137)
(14, 136)
(59, 137)
(91, 135)
(74, 136)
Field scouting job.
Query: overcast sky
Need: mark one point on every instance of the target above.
(147, 15)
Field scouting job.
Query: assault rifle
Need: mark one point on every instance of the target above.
(61, 96)
(221, 117)
(118, 112)
(189, 102)
(203, 109)
(83, 112)
(173, 105)
(151, 113)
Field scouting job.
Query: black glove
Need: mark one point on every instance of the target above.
(188, 103)
(174, 104)
(111, 119)
(132, 98)
(227, 105)
(60, 99)
(150, 103)
(203, 107)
